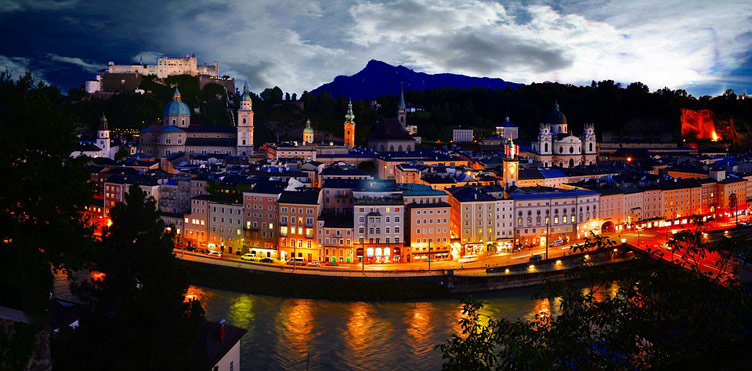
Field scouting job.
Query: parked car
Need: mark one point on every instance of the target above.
(314, 264)
(248, 256)
(190, 248)
(296, 261)
(536, 258)
(214, 254)
(557, 243)
(267, 260)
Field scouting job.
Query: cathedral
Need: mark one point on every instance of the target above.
(557, 146)
(176, 134)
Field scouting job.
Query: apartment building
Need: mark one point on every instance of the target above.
(298, 215)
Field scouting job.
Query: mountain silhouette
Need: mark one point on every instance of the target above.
(379, 78)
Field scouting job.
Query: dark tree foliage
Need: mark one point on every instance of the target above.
(44, 191)
(655, 315)
(139, 319)
(607, 104)
(272, 95)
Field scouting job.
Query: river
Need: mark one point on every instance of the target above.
(290, 334)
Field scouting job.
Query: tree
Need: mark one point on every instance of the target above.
(140, 319)
(45, 192)
(654, 314)
(272, 95)
(287, 97)
(122, 153)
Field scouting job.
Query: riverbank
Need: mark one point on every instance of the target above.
(382, 287)
(314, 287)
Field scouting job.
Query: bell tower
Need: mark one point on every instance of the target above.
(103, 136)
(308, 133)
(245, 124)
(511, 165)
(402, 109)
(349, 126)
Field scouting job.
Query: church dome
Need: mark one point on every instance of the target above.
(556, 117)
(308, 129)
(246, 94)
(176, 107)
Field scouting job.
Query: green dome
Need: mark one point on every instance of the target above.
(176, 107)
(246, 94)
(308, 129)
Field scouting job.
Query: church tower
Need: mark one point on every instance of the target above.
(308, 133)
(402, 109)
(245, 124)
(589, 145)
(349, 126)
(103, 136)
(511, 165)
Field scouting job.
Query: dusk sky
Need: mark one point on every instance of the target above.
(703, 47)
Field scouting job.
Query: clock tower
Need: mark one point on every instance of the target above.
(511, 166)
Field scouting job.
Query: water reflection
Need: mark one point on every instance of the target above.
(419, 327)
(241, 310)
(359, 325)
(295, 320)
(295, 334)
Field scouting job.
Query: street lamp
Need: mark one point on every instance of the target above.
(429, 255)
(363, 257)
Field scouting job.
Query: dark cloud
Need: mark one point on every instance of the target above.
(484, 54)
(253, 73)
(300, 45)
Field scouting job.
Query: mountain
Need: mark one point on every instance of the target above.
(379, 78)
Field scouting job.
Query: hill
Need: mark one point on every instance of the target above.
(379, 79)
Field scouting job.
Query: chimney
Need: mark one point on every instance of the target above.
(222, 330)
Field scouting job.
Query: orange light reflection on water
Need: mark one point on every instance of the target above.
(359, 325)
(419, 324)
(296, 317)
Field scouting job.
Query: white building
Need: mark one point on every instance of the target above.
(462, 135)
(507, 129)
(556, 213)
(378, 223)
(556, 146)
(168, 66)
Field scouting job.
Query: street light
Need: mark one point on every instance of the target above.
(429, 255)
(363, 257)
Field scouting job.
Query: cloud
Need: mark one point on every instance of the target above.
(658, 43)
(298, 46)
(89, 67)
(18, 67)
(147, 57)
(24, 5)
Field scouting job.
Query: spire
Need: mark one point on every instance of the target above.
(308, 124)
(246, 93)
(402, 97)
(556, 105)
(176, 95)
(349, 116)
(103, 122)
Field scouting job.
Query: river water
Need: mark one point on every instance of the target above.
(299, 334)
(295, 334)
